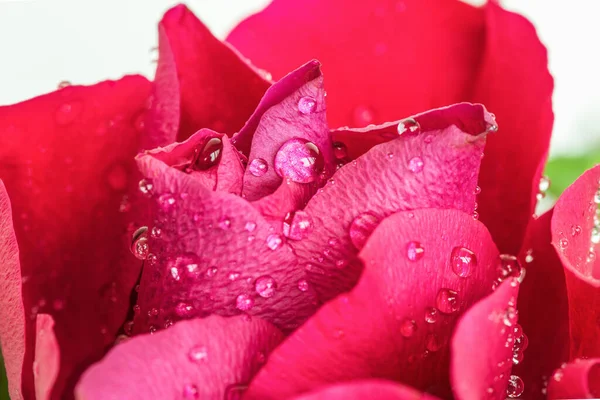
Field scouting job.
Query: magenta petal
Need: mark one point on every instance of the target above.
(434, 167)
(481, 358)
(213, 249)
(47, 357)
(572, 231)
(577, 380)
(379, 329)
(367, 389)
(12, 315)
(207, 358)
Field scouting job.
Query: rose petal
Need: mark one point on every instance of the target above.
(367, 389)
(572, 226)
(219, 90)
(577, 380)
(12, 316)
(481, 357)
(198, 359)
(382, 182)
(369, 332)
(543, 309)
(507, 199)
(47, 357)
(67, 164)
(400, 73)
(213, 248)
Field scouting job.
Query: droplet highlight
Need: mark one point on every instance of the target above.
(299, 160)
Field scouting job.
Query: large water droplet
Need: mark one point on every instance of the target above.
(414, 251)
(146, 186)
(258, 167)
(139, 243)
(415, 164)
(274, 241)
(509, 266)
(244, 302)
(265, 286)
(408, 126)
(166, 202)
(307, 105)
(209, 155)
(463, 261)
(515, 387)
(297, 225)
(408, 327)
(198, 354)
(431, 315)
(340, 151)
(190, 392)
(361, 228)
(303, 285)
(447, 301)
(299, 160)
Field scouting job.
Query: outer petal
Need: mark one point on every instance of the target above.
(207, 358)
(12, 316)
(572, 231)
(436, 168)
(368, 389)
(379, 330)
(67, 161)
(481, 358)
(218, 89)
(47, 357)
(543, 309)
(577, 380)
(511, 161)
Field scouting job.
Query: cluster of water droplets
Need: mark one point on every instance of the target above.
(595, 236)
(509, 266)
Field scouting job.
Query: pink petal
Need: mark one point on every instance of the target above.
(384, 181)
(543, 309)
(47, 357)
(572, 226)
(218, 89)
(209, 358)
(369, 332)
(67, 166)
(12, 316)
(577, 380)
(213, 249)
(482, 346)
(367, 389)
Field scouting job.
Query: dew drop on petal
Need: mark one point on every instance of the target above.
(431, 315)
(299, 160)
(139, 243)
(183, 309)
(414, 251)
(595, 238)
(146, 186)
(563, 243)
(244, 302)
(340, 151)
(297, 225)
(415, 164)
(433, 342)
(190, 392)
(447, 301)
(274, 241)
(508, 266)
(166, 202)
(303, 285)
(258, 167)
(265, 286)
(224, 223)
(511, 316)
(543, 187)
(361, 228)
(250, 226)
(408, 327)
(515, 387)
(463, 261)
(575, 230)
(597, 197)
(307, 105)
(408, 126)
(198, 354)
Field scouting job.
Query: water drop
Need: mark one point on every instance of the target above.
(477, 189)
(64, 84)
(265, 286)
(408, 125)
(492, 128)
(139, 243)
(575, 230)
(595, 238)
(543, 187)
(297, 225)
(508, 266)
(515, 387)
(414, 251)
(258, 167)
(244, 302)
(212, 271)
(198, 354)
(183, 309)
(511, 316)
(303, 285)
(299, 160)
(166, 202)
(274, 241)
(563, 243)
(340, 151)
(431, 315)
(175, 273)
(361, 228)
(390, 156)
(447, 301)
(224, 223)
(529, 256)
(209, 155)
(558, 375)
(415, 164)
(146, 186)
(463, 261)
(156, 232)
(363, 116)
(408, 327)
(250, 226)
(190, 392)
(433, 342)
(307, 105)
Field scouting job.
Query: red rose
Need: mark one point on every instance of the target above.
(307, 263)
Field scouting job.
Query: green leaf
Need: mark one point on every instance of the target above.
(563, 171)
(3, 381)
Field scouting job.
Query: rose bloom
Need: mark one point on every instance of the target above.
(221, 233)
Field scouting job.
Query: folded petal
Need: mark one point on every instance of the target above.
(67, 163)
(510, 165)
(543, 309)
(434, 166)
(217, 88)
(482, 346)
(211, 358)
(577, 380)
(397, 321)
(47, 357)
(367, 389)
(575, 236)
(12, 316)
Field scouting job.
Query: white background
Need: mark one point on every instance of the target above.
(43, 42)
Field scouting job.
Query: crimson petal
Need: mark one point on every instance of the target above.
(47, 357)
(209, 358)
(577, 380)
(367, 389)
(379, 329)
